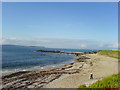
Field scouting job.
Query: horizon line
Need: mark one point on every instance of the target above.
(56, 47)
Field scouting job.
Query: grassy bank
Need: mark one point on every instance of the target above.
(110, 53)
(108, 82)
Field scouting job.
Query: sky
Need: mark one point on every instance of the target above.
(89, 25)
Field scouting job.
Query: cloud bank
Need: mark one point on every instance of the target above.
(61, 43)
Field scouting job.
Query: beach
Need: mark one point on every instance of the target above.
(60, 44)
(101, 67)
(66, 76)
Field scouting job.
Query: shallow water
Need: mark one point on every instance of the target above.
(19, 58)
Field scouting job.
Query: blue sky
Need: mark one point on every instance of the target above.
(61, 25)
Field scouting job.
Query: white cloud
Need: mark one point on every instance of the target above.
(60, 43)
(13, 38)
(101, 44)
(115, 45)
(83, 45)
(42, 40)
(2, 41)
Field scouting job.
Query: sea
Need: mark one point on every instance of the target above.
(21, 58)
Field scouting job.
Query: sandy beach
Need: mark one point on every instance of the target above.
(67, 76)
(59, 44)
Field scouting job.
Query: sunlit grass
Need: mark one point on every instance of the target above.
(108, 82)
(110, 53)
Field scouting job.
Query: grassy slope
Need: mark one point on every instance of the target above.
(110, 53)
(108, 82)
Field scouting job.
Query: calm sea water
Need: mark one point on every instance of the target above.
(19, 58)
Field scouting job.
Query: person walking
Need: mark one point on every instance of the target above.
(91, 75)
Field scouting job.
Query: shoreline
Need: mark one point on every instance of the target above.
(59, 70)
(101, 67)
(46, 67)
(76, 54)
(57, 77)
(37, 67)
(34, 68)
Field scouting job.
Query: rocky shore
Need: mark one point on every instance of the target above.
(57, 51)
(40, 78)
(74, 74)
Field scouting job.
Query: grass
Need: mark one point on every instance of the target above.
(110, 53)
(108, 82)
